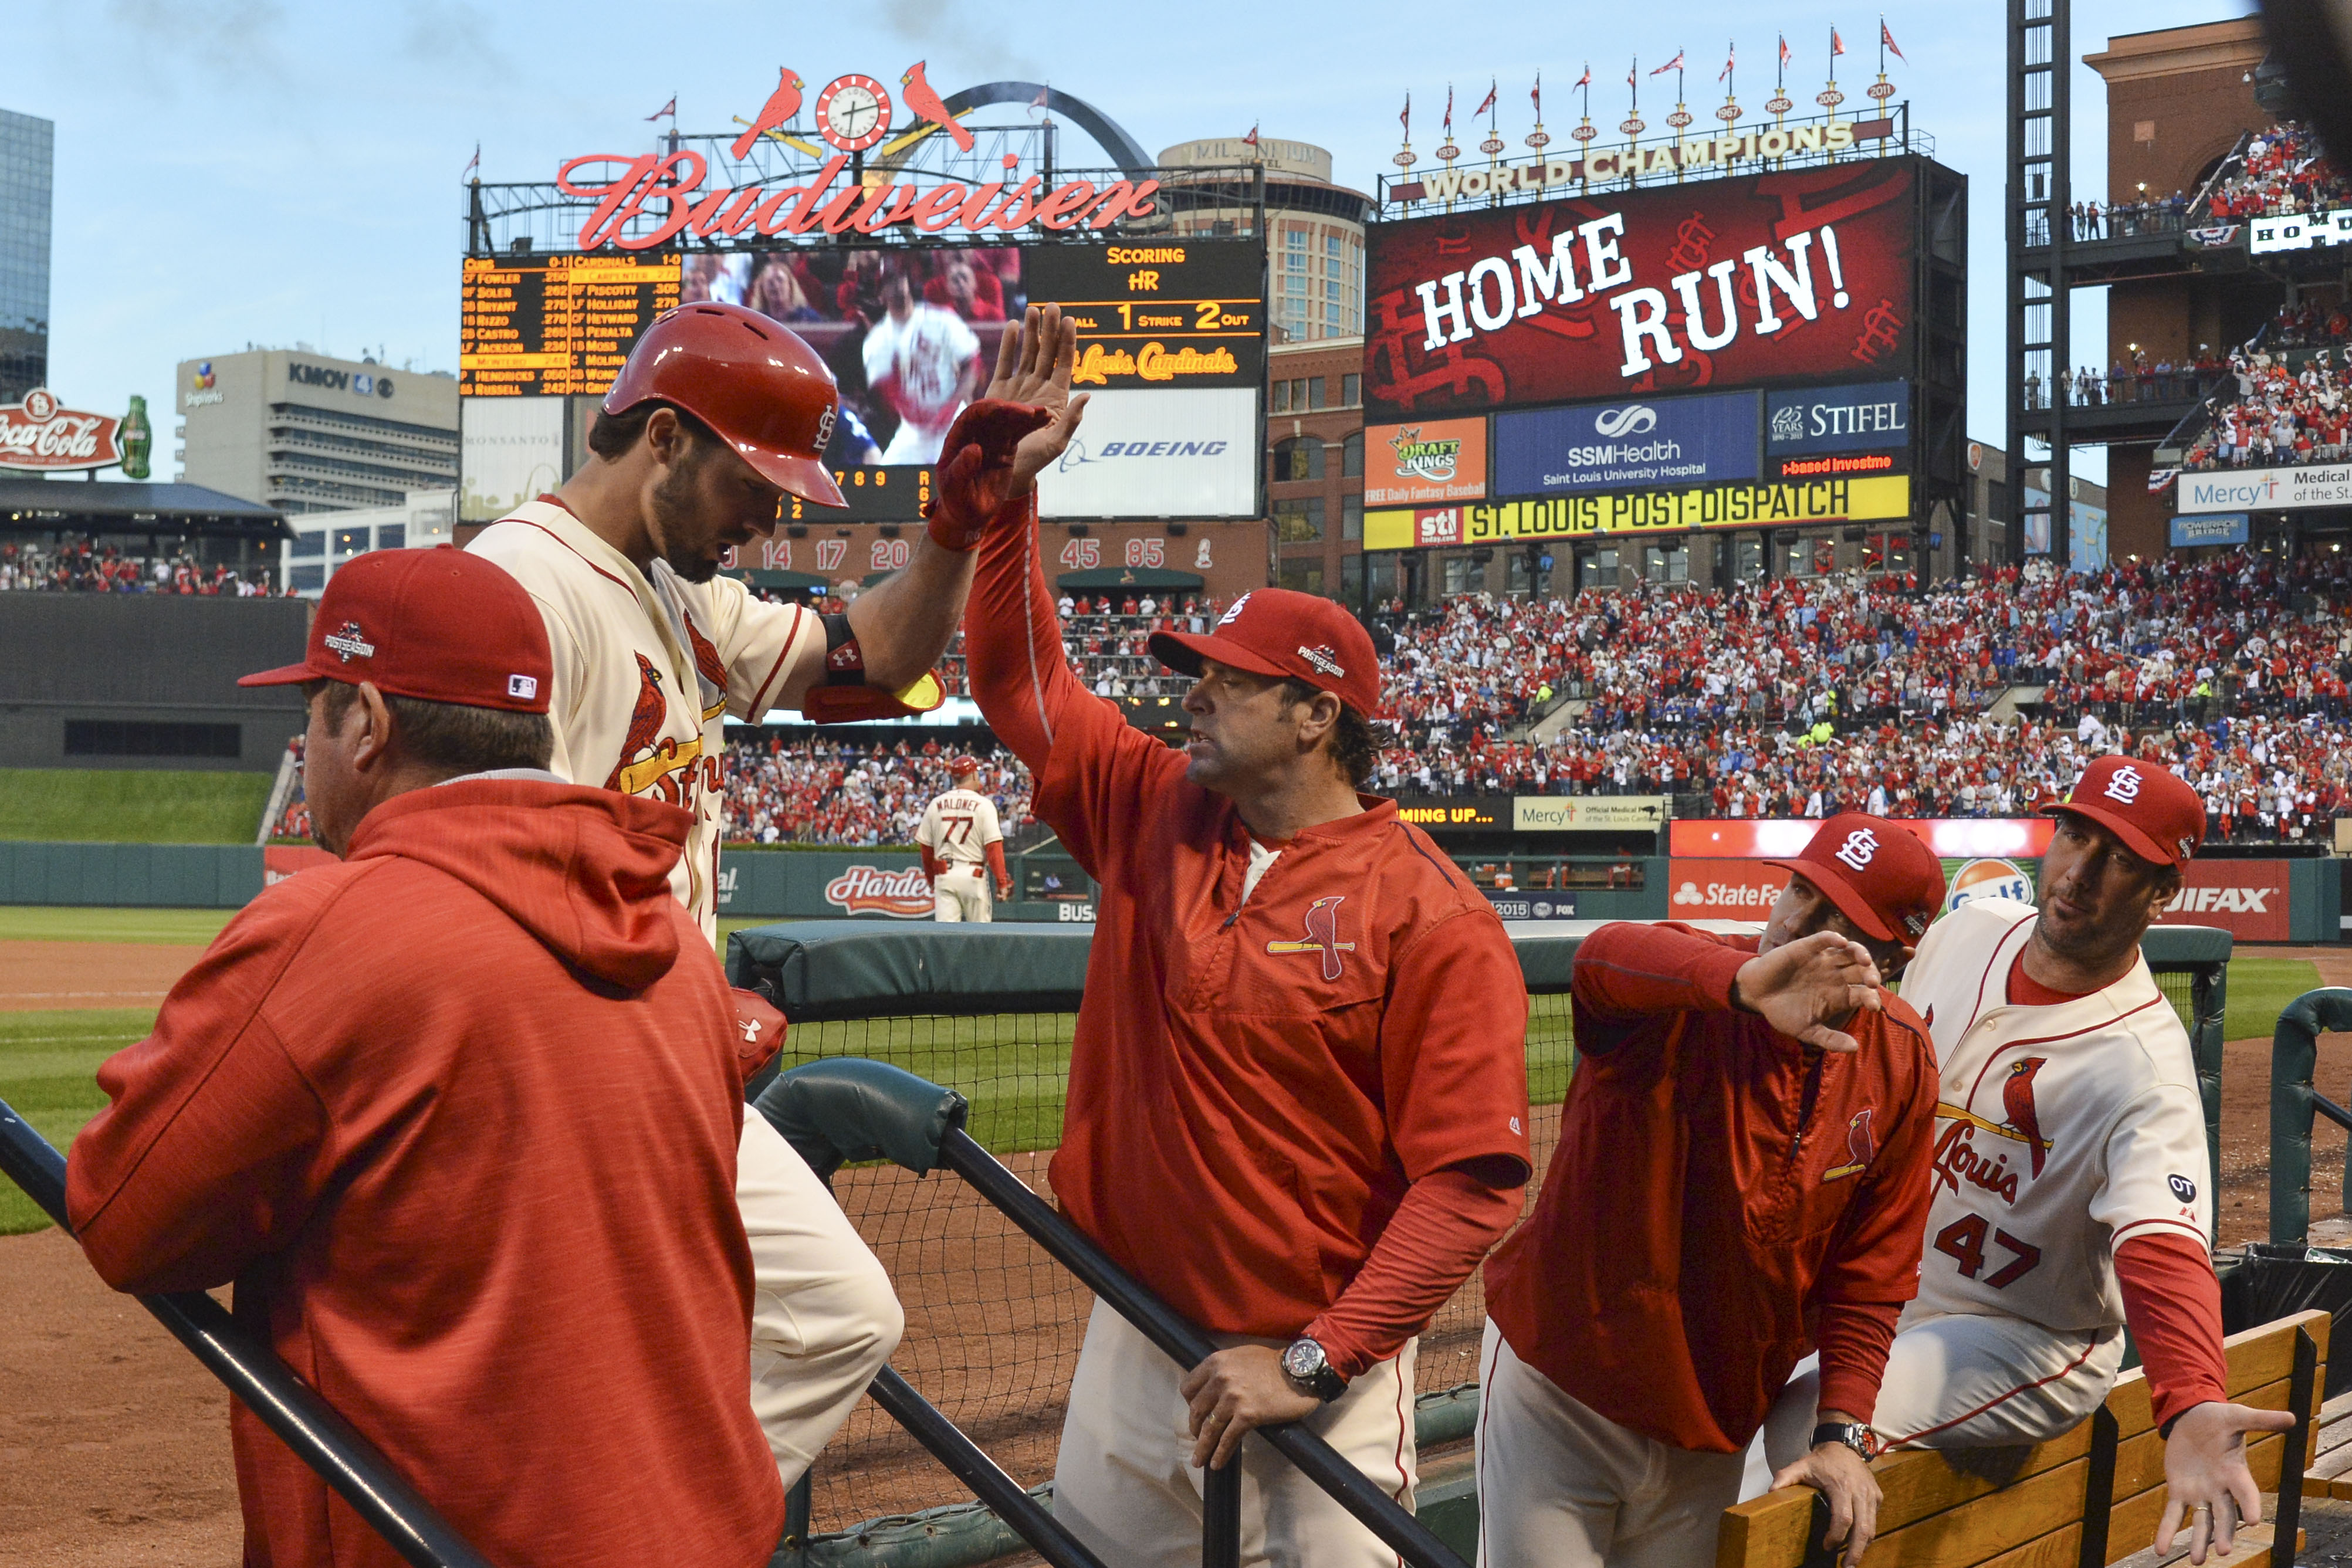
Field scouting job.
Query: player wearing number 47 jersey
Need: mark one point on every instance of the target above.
(2071, 1189)
(963, 845)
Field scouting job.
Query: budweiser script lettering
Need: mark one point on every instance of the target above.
(863, 889)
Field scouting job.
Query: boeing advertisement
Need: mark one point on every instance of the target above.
(1623, 444)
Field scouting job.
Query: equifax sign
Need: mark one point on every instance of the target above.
(2246, 898)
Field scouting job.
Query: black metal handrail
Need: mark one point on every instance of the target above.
(305, 1423)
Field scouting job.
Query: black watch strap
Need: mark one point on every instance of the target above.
(1854, 1435)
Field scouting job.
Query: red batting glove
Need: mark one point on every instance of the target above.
(973, 480)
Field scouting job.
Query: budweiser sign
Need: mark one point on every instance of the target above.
(38, 433)
(903, 893)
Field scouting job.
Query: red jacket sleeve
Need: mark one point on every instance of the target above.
(1448, 1222)
(1095, 772)
(206, 1159)
(1626, 975)
(1854, 1337)
(2173, 1303)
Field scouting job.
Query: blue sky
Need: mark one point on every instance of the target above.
(237, 171)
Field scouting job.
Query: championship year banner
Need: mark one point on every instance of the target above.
(1772, 279)
(1876, 500)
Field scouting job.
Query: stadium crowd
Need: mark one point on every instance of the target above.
(2284, 171)
(2282, 415)
(78, 567)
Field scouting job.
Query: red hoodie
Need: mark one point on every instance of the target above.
(459, 1116)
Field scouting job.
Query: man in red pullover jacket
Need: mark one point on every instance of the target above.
(1297, 1100)
(459, 1116)
(1741, 1175)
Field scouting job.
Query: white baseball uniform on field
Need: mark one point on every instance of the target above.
(1125, 1484)
(923, 358)
(646, 668)
(956, 828)
(2061, 1132)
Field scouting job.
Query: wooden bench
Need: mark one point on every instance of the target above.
(2088, 1498)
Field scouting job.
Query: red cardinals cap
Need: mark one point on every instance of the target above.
(766, 392)
(438, 625)
(2151, 809)
(1278, 632)
(1878, 872)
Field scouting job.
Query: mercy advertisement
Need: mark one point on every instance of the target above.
(1774, 280)
(2265, 489)
(1651, 443)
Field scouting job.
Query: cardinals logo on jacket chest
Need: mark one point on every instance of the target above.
(1322, 935)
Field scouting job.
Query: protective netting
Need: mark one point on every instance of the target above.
(993, 1325)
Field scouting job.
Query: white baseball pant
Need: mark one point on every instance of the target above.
(1561, 1486)
(1125, 1484)
(1957, 1380)
(824, 1317)
(961, 894)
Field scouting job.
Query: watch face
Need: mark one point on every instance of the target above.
(853, 112)
(1303, 1359)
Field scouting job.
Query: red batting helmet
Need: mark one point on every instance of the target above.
(765, 391)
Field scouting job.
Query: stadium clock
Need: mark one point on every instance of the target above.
(853, 112)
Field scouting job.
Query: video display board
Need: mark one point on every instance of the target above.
(1799, 277)
(911, 334)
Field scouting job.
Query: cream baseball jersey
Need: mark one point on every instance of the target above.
(958, 826)
(647, 667)
(2061, 1131)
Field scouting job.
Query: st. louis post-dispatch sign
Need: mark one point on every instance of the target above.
(2266, 489)
(1647, 443)
(1884, 498)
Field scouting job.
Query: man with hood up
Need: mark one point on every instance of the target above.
(459, 1116)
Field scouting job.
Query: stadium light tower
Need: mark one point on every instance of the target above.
(2041, 315)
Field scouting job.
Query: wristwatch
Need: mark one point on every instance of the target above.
(1309, 1370)
(1854, 1435)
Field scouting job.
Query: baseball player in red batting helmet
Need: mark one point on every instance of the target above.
(1741, 1169)
(2073, 1194)
(1297, 1100)
(719, 415)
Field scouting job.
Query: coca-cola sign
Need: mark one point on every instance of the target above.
(903, 893)
(39, 433)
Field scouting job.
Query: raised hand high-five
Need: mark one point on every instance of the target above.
(998, 446)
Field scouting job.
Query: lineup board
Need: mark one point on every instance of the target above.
(556, 326)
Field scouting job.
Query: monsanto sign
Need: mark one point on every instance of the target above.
(903, 894)
(39, 434)
(1723, 889)
(2246, 898)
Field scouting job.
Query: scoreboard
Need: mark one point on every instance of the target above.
(1185, 313)
(556, 325)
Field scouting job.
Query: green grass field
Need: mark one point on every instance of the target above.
(130, 806)
(1015, 1067)
(183, 927)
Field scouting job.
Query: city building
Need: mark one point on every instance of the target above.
(1315, 233)
(424, 519)
(27, 161)
(304, 433)
(1315, 475)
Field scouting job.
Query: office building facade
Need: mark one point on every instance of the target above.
(27, 164)
(1315, 233)
(304, 433)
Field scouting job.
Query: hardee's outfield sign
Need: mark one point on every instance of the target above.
(1883, 498)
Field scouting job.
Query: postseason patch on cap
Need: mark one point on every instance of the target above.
(349, 643)
(1325, 660)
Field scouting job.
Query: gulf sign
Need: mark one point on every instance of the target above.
(1770, 280)
(2246, 898)
(1643, 444)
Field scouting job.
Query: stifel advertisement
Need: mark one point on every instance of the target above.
(1761, 280)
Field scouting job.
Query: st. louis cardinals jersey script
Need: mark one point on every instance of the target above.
(647, 667)
(958, 826)
(2062, 1130)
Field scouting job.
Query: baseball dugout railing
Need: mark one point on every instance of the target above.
(994, 1322)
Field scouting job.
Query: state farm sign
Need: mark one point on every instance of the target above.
(904, 895)
(1722, 889)
(2246, 898)
(38, 433)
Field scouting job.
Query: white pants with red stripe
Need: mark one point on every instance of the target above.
(1562, 1486)
(1125, 1484)
(959, 894)
(1957, 1380)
